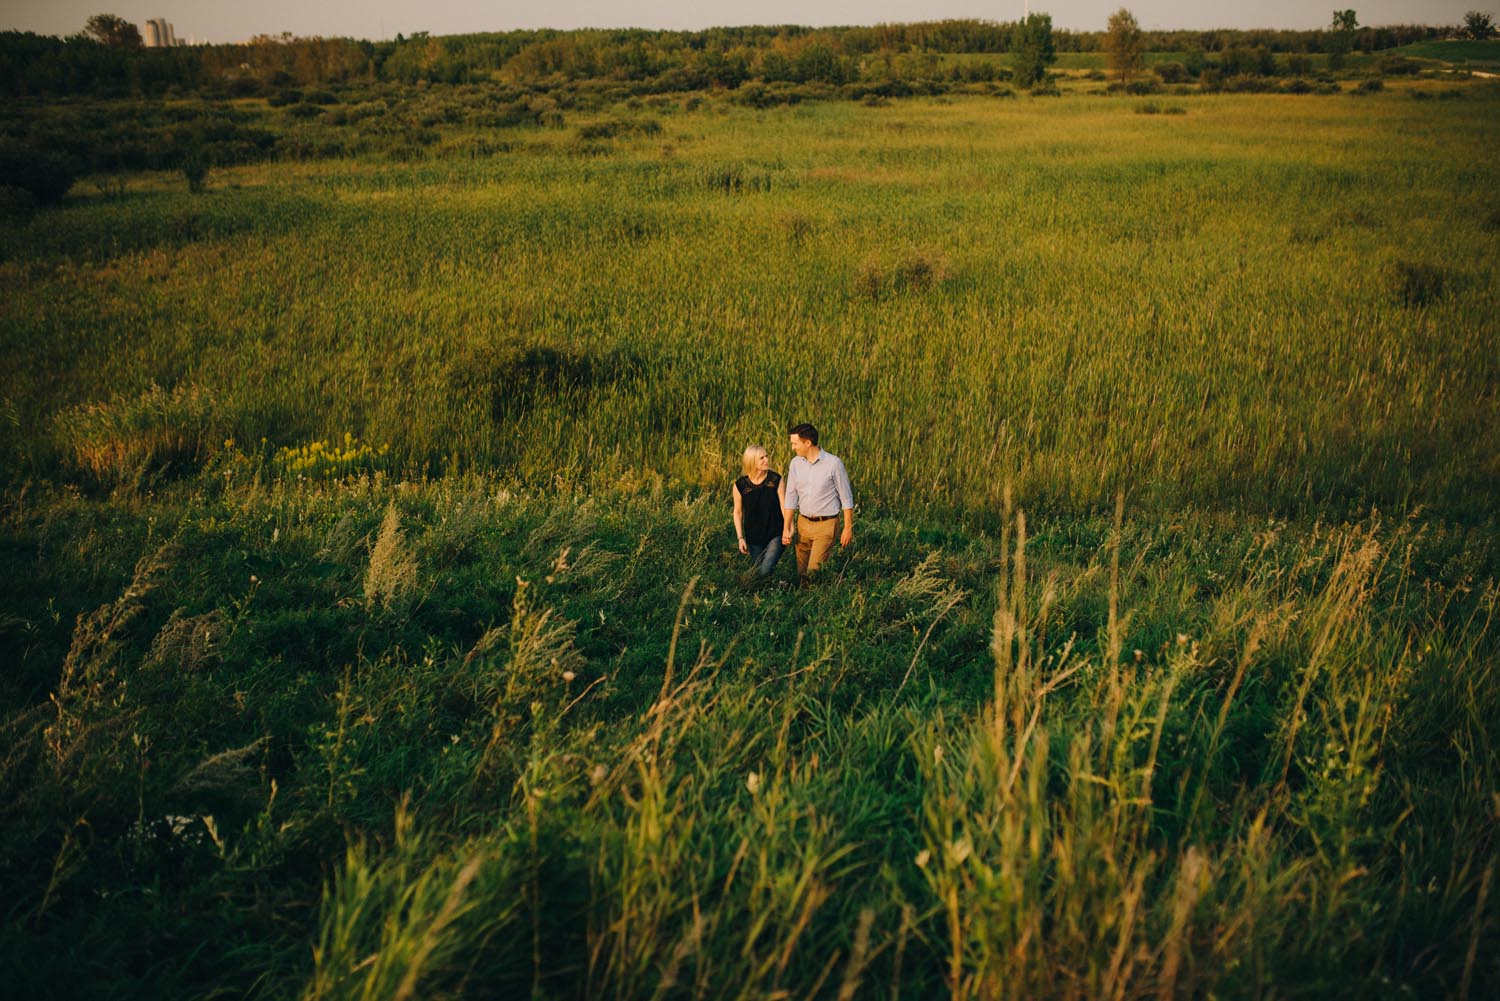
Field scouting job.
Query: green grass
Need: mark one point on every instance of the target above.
(1456, 51)
(394, 644)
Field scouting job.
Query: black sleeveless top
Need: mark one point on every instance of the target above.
(761, 507)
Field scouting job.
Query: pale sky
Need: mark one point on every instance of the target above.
(225, 21)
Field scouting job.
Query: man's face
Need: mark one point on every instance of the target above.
(800, 445)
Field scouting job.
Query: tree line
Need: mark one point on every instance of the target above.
(107, 59)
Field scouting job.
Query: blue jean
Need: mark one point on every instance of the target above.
(764, 556)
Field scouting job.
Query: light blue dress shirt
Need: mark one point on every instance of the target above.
(818, 488)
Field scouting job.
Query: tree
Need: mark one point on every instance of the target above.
(1345, 23)
(1123, 44)
(1479, 25)
(111, 29)
(1032, 47)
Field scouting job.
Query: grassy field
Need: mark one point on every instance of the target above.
(375, 627)
(1456, 51)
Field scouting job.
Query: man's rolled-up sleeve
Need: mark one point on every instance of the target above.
(791, 488)
(845, 489)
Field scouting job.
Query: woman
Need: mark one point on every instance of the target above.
(759, 499)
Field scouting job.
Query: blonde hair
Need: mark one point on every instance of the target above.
(749, 459)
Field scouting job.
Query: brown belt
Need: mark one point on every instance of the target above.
(816, 517)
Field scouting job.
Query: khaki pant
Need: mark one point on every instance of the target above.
(814, 542)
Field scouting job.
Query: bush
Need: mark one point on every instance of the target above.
(283, 98)
(1399, 66)
(619, 127)
(243, 86)
(1298, 86)
(133, 439)
(16, 203)
(1370, 85)
(1415, 284)
(914, 271)
(1152, 108)
(330, 459)
(195, 169)
(1248, 83)
(736, 179)
(47, 176)
(1298, 64)
(519, 377)
(1172, 73)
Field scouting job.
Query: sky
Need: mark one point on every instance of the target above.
(225, 21)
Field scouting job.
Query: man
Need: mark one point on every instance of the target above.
(817, 488)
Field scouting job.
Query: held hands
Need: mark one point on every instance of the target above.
(786, 536)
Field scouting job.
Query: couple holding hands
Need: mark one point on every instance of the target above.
(769, 510)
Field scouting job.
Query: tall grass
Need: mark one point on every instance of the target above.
(1124, 690)
(1075, 297)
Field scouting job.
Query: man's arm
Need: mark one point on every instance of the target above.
(846, 501)
(788, 522)
(789, 501)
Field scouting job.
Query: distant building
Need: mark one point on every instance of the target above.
(160, 34)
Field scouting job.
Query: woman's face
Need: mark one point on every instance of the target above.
(762, 463)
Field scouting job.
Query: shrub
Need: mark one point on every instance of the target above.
(1152, 108)
(1298, 86)
(589, 147)
(736, 179)
(195, 169)
(519, 377)
(16, 203)
(244, 86)
(1369, 85)
(283, 98)
(47, 176)
(1248, 83)
(1172, 73)
(1399, 66)
(619, 127)
(797, 226)
(914, 271)
(331, 459)
(1416, 284)
(320, 97)
(132, 439)
(1298, 64)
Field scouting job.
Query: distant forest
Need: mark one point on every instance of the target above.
(34, 65)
